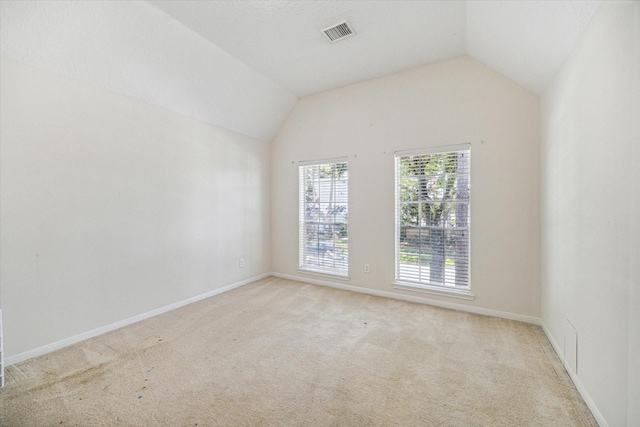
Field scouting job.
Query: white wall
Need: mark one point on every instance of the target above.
(135, 49)
(110, 207)
(451, 102)
(590, 209)
(633, 397)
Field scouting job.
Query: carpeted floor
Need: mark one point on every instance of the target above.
(284, 353)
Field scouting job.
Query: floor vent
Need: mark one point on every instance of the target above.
(1, 354)
(338, 32)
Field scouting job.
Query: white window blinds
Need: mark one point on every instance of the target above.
(324, 209)
(432, 217)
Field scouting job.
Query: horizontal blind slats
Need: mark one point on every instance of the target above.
(323, 234)
(432, 217)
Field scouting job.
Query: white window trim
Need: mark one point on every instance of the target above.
(432, 150)
(323, 161)
(442, 290)
(306, 269)
(326, 274)
(435, 290)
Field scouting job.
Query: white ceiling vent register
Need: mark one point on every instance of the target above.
(338, 32)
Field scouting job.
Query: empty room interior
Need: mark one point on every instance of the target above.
(320, 213)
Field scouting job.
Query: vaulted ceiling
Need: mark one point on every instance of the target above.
(242, 65)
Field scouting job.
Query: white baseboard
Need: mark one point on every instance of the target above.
(117, 325)
(411, 298)
(477, 310)
(1, 353)
(574, 377)
(460, 307)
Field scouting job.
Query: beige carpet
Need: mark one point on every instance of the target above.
(280, 353)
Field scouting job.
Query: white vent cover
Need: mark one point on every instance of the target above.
(338, 32)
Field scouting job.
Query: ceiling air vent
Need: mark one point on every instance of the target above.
(338, 32)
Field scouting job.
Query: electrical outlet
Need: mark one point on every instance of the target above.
(366, 268)
(241, 263)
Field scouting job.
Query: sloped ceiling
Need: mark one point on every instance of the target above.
(525, 40)
(134, 49)
(283, 39)
(242, 64)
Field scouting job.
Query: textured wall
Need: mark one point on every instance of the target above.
(590, 209)
(134, 49)
(111, 208)
(452, 102)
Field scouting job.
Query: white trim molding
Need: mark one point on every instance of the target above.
(117, 325)
(470, 309)
(436, 290)
(411, 298)
(432, 150)
(343, 159)
(1, 354)
(574, 377)
(323, 274)
(454, 306)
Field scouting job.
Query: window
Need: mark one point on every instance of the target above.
(323, 237)
(432, 220)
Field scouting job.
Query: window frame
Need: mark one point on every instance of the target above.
(401, 281)
(340, 252)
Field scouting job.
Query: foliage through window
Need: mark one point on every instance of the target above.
(323, 236)
(432, 218)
